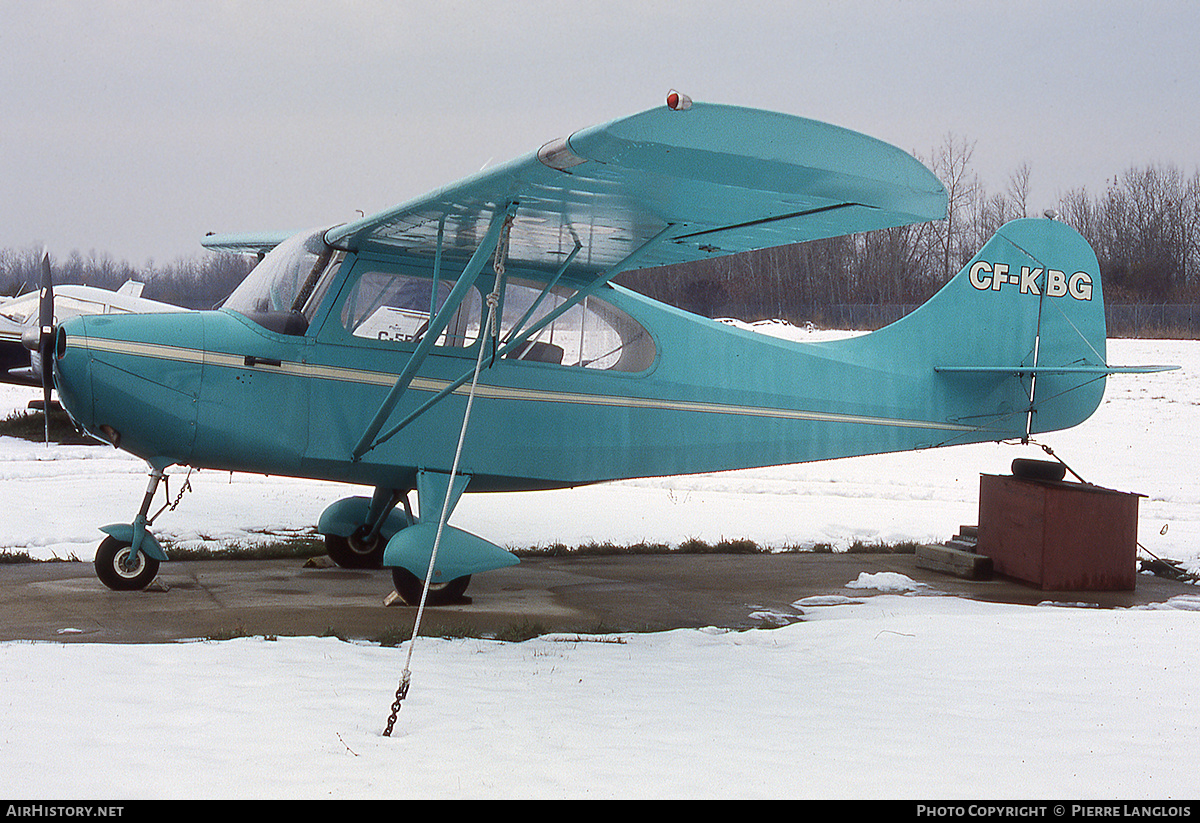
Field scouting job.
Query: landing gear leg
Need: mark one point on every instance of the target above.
(123, 564)
(139, 522)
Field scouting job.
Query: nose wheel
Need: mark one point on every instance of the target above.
(117, 570)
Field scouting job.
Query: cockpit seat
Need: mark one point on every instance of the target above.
(538, 352)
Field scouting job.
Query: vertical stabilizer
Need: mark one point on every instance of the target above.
(1024, 319)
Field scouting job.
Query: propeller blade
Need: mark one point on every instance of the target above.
(46, 337)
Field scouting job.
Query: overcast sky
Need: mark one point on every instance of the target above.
(133, 128)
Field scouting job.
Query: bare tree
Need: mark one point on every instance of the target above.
(1018, 191)
(951, 162)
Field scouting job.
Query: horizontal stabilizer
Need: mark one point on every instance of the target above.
(1023, 371)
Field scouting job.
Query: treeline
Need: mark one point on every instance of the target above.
(193, 283)
(1144, 227)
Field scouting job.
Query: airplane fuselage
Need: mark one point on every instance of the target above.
(222, 390)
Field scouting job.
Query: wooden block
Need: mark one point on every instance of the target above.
(957, 562)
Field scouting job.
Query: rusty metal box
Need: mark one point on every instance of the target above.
(1059, 536)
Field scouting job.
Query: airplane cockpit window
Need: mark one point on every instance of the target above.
(397, 307)
(283, 290)
(592, 334)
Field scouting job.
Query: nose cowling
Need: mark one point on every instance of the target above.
(134, 380)
(72, 377)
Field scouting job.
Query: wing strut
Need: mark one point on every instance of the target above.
(516, 340)
(519, 339)
(437, 270)
(553, 281)
(500, 220)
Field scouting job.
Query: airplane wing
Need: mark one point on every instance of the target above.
(248, 243)
(725, 179)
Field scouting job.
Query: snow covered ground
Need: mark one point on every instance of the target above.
(905, 693)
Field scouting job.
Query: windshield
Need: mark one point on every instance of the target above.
(283, 290)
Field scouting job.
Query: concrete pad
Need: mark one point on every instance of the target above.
(220, 598)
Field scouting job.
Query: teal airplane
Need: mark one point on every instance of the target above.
(473, 339)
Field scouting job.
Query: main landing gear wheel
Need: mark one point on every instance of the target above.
(356, 551)
(114, 570)
(409, 587)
